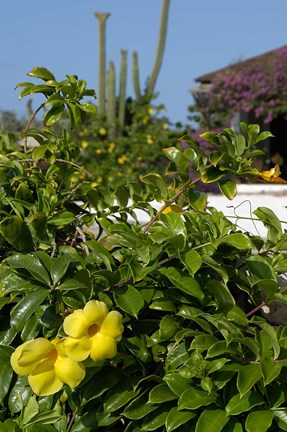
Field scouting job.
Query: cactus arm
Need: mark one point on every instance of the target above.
(122, 93)
(111, 100)
(136, 80)
(160, 49)
(102, 18)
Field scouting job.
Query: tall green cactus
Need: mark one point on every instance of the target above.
(141, 98)
(123, 84)
(102, 18)
(111, 117)
(160, 49)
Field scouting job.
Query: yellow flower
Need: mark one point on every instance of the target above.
(102, 131)
(122, 159)
(150, 110)
(273, 175)
(145, 119)
(98, 151)
(164, 126)
(149, 139)
(111, 147)
(84, 144)
(47, 366)
(92, 331)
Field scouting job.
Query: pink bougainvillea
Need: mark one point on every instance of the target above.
(260, 87)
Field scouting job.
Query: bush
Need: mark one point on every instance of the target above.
(108, 324)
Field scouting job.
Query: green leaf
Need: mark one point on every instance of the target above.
(30, 410)
(270, 334)
(59, 268)
(62, 218)
(239, 404)
(154, 420)
(177, 418)
(176, 157)
(259, 421)
(228, 188)
(177, 383)
(157, 183)
(88, 107)
(211, 420)
(119, 396)
(237, 240)
(6, 374)
(161, 393)
(128, 299)
(30, 263)
(26, 307)
(168, 327)
(281, 418)
(139, 407)
(210, 262)
(220, 292)
(53, 114)
(16, 233)
(183, 282)
(270, 369)
(42, 73)
(271, 222)
(248, 375)
(203, 342)
(192, 398)
(259, 268)
(192, 260)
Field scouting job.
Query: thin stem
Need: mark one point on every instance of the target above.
(69, 426)
(31, 118)
(168, 203)
(75, 165)
(253, 311)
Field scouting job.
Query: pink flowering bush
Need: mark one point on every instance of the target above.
(252, 87)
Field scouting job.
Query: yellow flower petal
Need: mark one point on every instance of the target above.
(76, 325)
(78, 349)
(45, 384)
(20, 370)
(95, 312)
(69, 371)
(103, 347)
(34, 351)
(112, 325)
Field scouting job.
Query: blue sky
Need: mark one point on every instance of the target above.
(203, 36)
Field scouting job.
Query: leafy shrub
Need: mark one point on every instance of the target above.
(196, 353)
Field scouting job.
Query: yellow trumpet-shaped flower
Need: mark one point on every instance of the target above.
(47, 366)
(92, 331)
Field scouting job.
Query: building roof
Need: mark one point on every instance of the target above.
(266, 59)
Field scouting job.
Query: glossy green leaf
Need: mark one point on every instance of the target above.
(30, 263)
(183, 282)
(239, 404)
(211, 420)
(6, 374)
(259, 268)
(177, 383)
(192, 399)
(88, 107)
(26, 307)
(220, 291)
(128, 299)
(228, 188)
(160, 394)
(192, 260)
(53, 115)
(59, 268)
(270, 369)
(62, 218)
(119, 396)
(177, 418)
(154, 420)
(139, 407)
(237, 240)
(16, 232)
(259, 421)
(271, 222)
(30, 410)
(203, 341)
(42, 73)
(248, 375)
